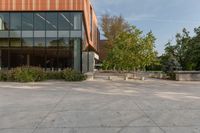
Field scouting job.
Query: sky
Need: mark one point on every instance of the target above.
(164, 18)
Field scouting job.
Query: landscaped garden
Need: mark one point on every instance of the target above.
(36, 74)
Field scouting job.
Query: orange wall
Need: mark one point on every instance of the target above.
(56, 5)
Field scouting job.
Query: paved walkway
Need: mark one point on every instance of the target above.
(152, 106)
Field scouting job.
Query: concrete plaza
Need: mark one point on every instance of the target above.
(151, 106)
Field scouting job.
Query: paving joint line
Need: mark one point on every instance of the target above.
(49, 113)
(150, 118)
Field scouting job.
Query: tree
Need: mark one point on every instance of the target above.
(185, 53)
(131, 51)
(112, 26)
(181, 49)
(194, 50)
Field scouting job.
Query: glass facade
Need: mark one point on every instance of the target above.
(52, 40)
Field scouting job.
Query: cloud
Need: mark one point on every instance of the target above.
(140, 17)
(164, 17)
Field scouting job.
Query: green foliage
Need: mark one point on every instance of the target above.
(172, 75)
(3, 75)
(35, 74)
(131, 51)
(72, 75)
(27, 74)
(185, 53)
(112, 26)
(54, 75)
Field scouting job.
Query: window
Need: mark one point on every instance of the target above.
(15, 42)
(4, 27)
(39, 42)
(76, 34)
(4, 21)
(39, 21)
(51, 34)
(51, 21)
(77, 21)
(39, 33)
(4, 42)
(63, 42)
(15, 21)
(15, 38)
(27, 34)
(27, 21)
(47, 39)
(27, 42)
(52, 42)
(65, 22)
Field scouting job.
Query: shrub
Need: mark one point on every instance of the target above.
(3, 75)
(54, 75)
(172, 75)
(27, 74)
(72, 75)
(34, 74)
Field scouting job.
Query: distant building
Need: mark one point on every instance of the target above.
(103, 52)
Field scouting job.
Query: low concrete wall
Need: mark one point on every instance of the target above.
(139, 74)
(187, 75)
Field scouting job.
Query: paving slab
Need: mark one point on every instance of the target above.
(182, 129)
(16, 130)
(21, 119)
(100, 106)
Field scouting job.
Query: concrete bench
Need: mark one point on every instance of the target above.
(187, 75)
(90, 75)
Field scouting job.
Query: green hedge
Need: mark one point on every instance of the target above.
(72, 75)
(4, 76)
(54, 75)
(27, 74)
(35, 74)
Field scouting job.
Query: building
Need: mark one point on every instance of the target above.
(53, 34)
(103, 50)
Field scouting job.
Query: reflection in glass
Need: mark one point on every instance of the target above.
(39, 21)
(51, 21)
(15, 42)
(27, 42)
(3, 34)
(55, 36)
(65, 21)
(15, 38)
(77, 21)
(76, 34)
(39, 42)
(4, 42)
(27, 21)
(4, 21)
(63, 33)
(51, 33)
(15, 34)
(27, 33)
(51, 42)
(15, 21)
(39, 33)
(63, 42)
